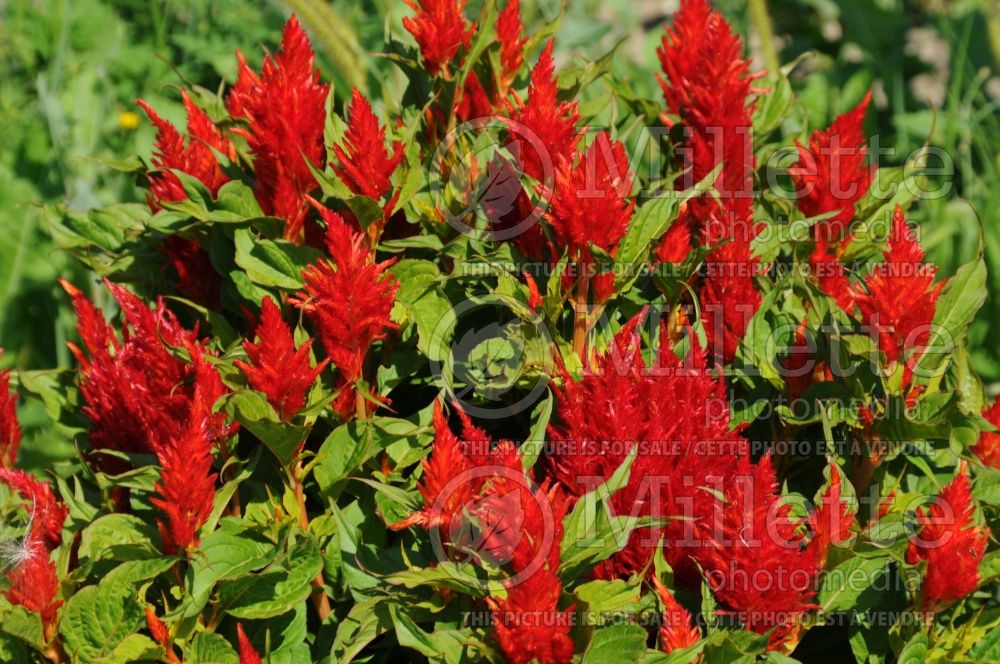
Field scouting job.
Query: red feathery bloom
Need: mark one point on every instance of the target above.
(676, 243)
(951, 544)
(349, 298)
(729, 298)
(535, 299)
(988, 446)
(35, 585)
(832, 174)
(684, 444)
(754, 536)
(196, 158)
(276, 367)
(832, 517)
(158, 629)
(510, 32)
(138, 393)
(247, 653)
(831, 275)
(528, 625)
(591, 201)
(47, 513)
(196, 277)
(900, 295)
(802, 368)
(543, 130)
(511, 213)
(286, 109)
(440, 30)
(676, 629)
(10, 428)
(187, 483)
(363, 162)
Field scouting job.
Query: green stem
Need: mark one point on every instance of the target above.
(762, 25)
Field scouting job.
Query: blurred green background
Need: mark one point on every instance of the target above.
(73, 68)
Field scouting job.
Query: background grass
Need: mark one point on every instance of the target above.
(73, 68)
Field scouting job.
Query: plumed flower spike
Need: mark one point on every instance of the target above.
(591, 202)
(349, 298)
(988, 446)
(676, 629)
(831, 520)
(248, 655)
(285, 107)
(510, 32)
(195, 158)
(47, 513)
(363, 162)
(440, 30)
(10, 428)
(35, 586)
(951, 543)
(528, 625)
(276, 367)
(832, 174)
(552, 122)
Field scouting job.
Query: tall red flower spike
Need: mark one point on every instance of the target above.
(951, 543)
(832, 517)
(510, 32)
(440, 30)
(139, 394)
(831, 275)
(10, 428)
(528, 625)
(187, 483)
(754, 536)
(349, 298)
(899, 296)
(34, 585)
(276, 367)
(676, 628)
(247, 653)
(285, 107)
(729, 298)
(988, 446)
(363, 162)
(684, 442)
(832, 174)
(543, 130)
(196, 277)
(47, 513)
(195, 158)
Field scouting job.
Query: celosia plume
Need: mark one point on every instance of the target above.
(510, 32)
(676, 629)
(988, 446)
(248, 655)
(951, 543)
(47, 512)
(832, 517)
(363, 162)
(440, 30)
(10, 428)
(285, 107)
(195, 276)
(276, 367)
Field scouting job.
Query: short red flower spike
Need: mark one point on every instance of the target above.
(832, 174)
(510, 32)
(285, 107)
(511, 213)
(440, 30)
(951, 543)
(988, 446)
(158, 629)
(528, 625)
(35, 586)
(349, 298)
(729, 298)
(196, 277)
(591, 203)
(248, 655)
(899, 294)
(363, 162)
(276, 367)
(10, 428)
(46, 511)
(831, 275)
(832, 517)
(676, 628)
(195, 158)
(543, 130)
(187, 483)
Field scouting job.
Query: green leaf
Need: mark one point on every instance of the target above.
(366, 621)
(915, 650)
(532, 446)
(963, 296)
(276, 590)
(96, 619)
(272, 263)
(607, 597)
(208, 648)
(118, 536)
(850, 584)
(253, 411)
(617, 643)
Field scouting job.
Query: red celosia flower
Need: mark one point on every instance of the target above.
(440, 30)
(528, 625)
(510, 32)
(196, 277)
(684, 442)
(832, 517)
(729, 298)
(474, 101)
(543, 130)
(34, 585)
(159, 631)
(10, 428)
(286, 109)
(363, 162)
(348, 299)
(900, 295)
(47, 513)
(676, 630)
(832, 174)
(755, 562)
(951, 544)
(276, 367)
(988, 446)
(511, 213)
(831, 275)
(196, 158)
(187, 483)
(535, 299)
(676, 243)
(138, 393)
(247, 653)
(591, 201)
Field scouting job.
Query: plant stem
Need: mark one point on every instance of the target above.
(762, 25)
(580, 317)
(320, 600)
(360, 405)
